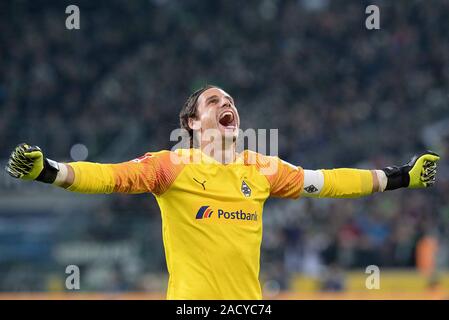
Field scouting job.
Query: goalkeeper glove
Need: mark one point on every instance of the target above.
(420, 172)
(28, 163)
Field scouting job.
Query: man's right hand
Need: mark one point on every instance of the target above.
(28, 163)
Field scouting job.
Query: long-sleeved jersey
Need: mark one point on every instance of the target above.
(211, 213)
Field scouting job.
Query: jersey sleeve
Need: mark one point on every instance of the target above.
(152, 172)
(285, 179)
(346, 183)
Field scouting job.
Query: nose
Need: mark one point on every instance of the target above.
(225, 104)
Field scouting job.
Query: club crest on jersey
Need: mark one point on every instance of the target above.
(204, 212)
(246, 190)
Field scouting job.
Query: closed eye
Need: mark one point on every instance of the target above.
(214, 100)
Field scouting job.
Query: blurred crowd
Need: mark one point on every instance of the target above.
(340, 95)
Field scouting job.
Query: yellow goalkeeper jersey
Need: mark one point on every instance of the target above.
(211, 215)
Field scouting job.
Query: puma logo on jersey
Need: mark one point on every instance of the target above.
(201, 183)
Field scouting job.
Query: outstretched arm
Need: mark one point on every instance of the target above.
(150, 173)
(341, 183)
(420, 172)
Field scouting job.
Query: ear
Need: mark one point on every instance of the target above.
(194, 124)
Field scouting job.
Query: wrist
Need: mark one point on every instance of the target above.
(397, 177)
(49, 172)
(61, 177)
(382, 180)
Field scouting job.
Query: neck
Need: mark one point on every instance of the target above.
(221, 152)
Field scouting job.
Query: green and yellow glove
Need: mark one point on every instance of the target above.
(28, 163)
(420, 172)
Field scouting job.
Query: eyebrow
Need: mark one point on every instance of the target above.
(215, 97)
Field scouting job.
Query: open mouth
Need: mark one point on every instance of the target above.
(227, 119)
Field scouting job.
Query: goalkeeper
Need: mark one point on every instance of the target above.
(212, 209)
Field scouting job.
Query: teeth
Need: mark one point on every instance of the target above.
(229, 121)
(228, 113)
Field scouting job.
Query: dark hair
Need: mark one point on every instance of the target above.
(189, 110)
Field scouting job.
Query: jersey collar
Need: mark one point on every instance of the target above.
(239, 159)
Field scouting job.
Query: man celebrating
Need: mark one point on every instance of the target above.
(211, 198)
